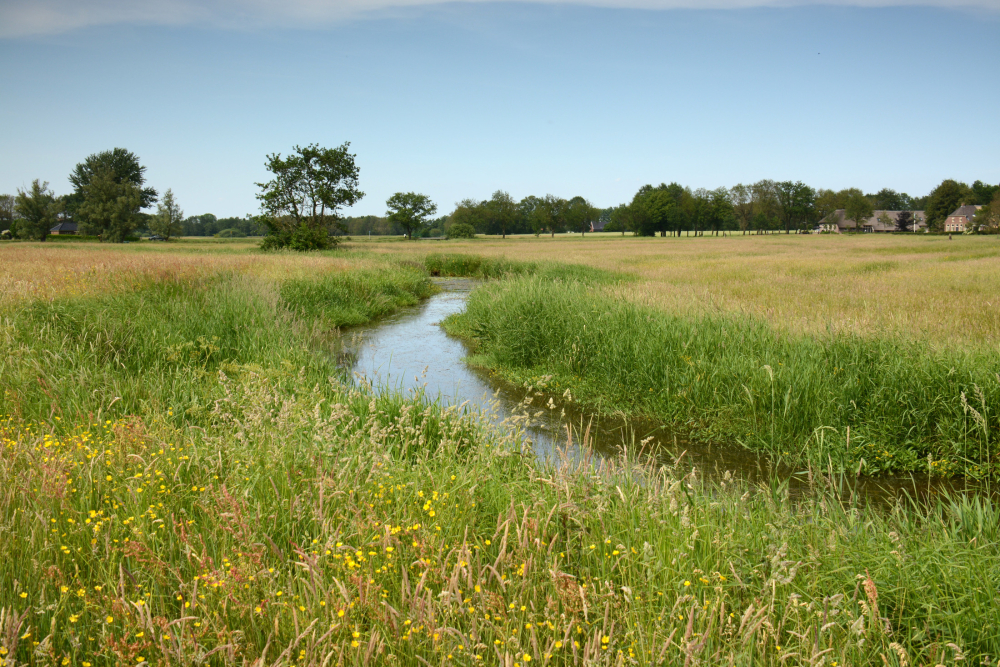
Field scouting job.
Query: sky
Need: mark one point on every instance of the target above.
(456, 100)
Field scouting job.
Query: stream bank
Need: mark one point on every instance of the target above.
(409, 351)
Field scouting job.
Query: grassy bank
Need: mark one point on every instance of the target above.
(156, 346)
(491, 268)
(184, 480)
(858, 403)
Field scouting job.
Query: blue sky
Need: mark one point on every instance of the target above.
(457, 100)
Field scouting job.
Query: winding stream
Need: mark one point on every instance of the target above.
(410, 351)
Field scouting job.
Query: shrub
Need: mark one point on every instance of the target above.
(302, 238)
(461, 230)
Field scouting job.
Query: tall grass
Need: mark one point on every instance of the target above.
(478, 266)
(185, 478)
(157, 346)
(315, 525)
(355, 297)
(868, 405)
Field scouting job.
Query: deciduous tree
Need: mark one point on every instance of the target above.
(580, 215)
(548, 214)
(904, 221)
(623, 218)
(6, 211)
(942, 200)
(982, 193)
(502, 211)
(122, 165)
(470, 212)
(300, 204)
(169, 217)
(796, 204)
(827, 202)
(720, 211)
(859, 208)
(110, 207)
(410, 211)
(888, 199)
(743, 205)
(765, 204)
(37, 209)
(988, 218)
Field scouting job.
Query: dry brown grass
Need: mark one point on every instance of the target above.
(929, 287)
(943, 291)
(48, 270)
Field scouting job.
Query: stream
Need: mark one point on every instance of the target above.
(409, 351)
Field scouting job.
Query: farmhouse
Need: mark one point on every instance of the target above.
(960, 218)
(64, 228)
(881, 221)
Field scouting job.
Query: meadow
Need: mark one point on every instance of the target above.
(872, 354)
(187, 477)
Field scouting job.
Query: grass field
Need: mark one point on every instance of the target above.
(925, 288)
(186, 477)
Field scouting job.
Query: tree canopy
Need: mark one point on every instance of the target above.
(580, 215)
(859, 208)
(410, 211)
(944, 199)
(988, 217)
(38, 209)
(795, 204)
(888, 199)
(982, 193)
(169, 217)
(110, 207)
(501, 212)
(123, 166)
(300, 205)
(6, 211)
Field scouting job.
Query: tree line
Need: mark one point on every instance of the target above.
(760, 207)
(756, 208)
(301, 204)
(208, 224)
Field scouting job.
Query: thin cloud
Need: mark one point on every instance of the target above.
(19, 18)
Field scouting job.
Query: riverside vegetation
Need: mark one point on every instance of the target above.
(188, 477)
